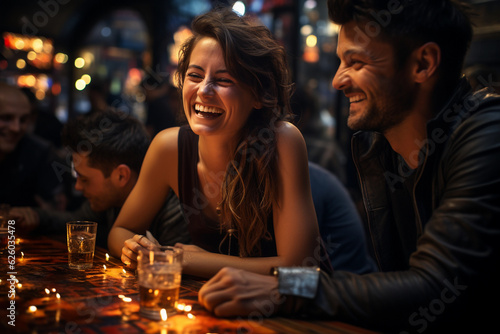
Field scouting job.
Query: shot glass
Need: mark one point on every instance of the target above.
(81, 244)
(159, 276)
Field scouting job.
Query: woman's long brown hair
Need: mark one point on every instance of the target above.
(255, 58)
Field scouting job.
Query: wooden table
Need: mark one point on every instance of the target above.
(91, 301)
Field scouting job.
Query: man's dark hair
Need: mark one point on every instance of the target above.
(408, 24)
(109, 138)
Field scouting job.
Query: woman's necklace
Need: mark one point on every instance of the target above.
(218, 210)
(211, 190)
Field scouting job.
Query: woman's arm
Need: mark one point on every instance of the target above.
(295, 226)
(158, 174)
(201, 263)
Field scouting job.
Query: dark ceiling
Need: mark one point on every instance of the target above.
(67, 21)
(63, 21)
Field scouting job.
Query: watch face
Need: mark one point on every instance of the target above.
(298, 281)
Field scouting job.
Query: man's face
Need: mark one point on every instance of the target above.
(15, 116)
(100, 191)
(380, 96)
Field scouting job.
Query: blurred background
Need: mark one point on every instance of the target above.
(77, 56)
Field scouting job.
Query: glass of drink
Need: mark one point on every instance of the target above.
(159, 276)
(81, 244)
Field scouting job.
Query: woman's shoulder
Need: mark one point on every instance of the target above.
(160, 163)
(290, 144)
(287, 133)
(166, 139)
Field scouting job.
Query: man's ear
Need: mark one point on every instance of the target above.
(121, 174)
(257, 105)
(427, 59)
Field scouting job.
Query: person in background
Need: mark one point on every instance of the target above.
(245, 207)
(340, 225)
(427, 154)
(45, 123)
(162, 104)
(107, 150)
(322, 146)
(27, 173)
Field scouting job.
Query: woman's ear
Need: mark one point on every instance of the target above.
(427, 59)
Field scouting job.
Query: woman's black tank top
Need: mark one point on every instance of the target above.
(206, 233)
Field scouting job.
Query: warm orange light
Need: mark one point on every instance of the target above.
(20, 64)
(163, 314)
(56, 88)
(311, 54)
(40, 94)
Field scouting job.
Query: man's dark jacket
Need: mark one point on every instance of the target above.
(434, 231)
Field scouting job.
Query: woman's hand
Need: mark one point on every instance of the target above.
(232, 292)
(131, 248)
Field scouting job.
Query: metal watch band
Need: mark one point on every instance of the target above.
(297, 281)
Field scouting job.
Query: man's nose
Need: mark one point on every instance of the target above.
(78, 185)
(15, 125)
(341, 80)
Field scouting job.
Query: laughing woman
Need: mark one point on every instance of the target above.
(239, 168)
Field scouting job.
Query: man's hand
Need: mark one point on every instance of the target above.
(131, 248)
(235, 292)
(26, 218)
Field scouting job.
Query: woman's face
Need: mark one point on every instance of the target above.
(215, 103)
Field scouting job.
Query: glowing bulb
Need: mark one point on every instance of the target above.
(239, 8)
(61, 58)
(21, 63)
(31, 55)
(79, 62)
(80, 84)
(37, 45)
(311, 41)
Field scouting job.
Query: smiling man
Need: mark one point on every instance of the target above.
(107, 150)
(26, 173)
(427, 154)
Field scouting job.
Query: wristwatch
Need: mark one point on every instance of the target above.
(297, 281)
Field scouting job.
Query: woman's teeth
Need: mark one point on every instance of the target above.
(206, 109)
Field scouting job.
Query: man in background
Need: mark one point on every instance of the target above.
(27, 173)
(107, 149)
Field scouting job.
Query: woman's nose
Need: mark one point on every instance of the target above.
(206, 88)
